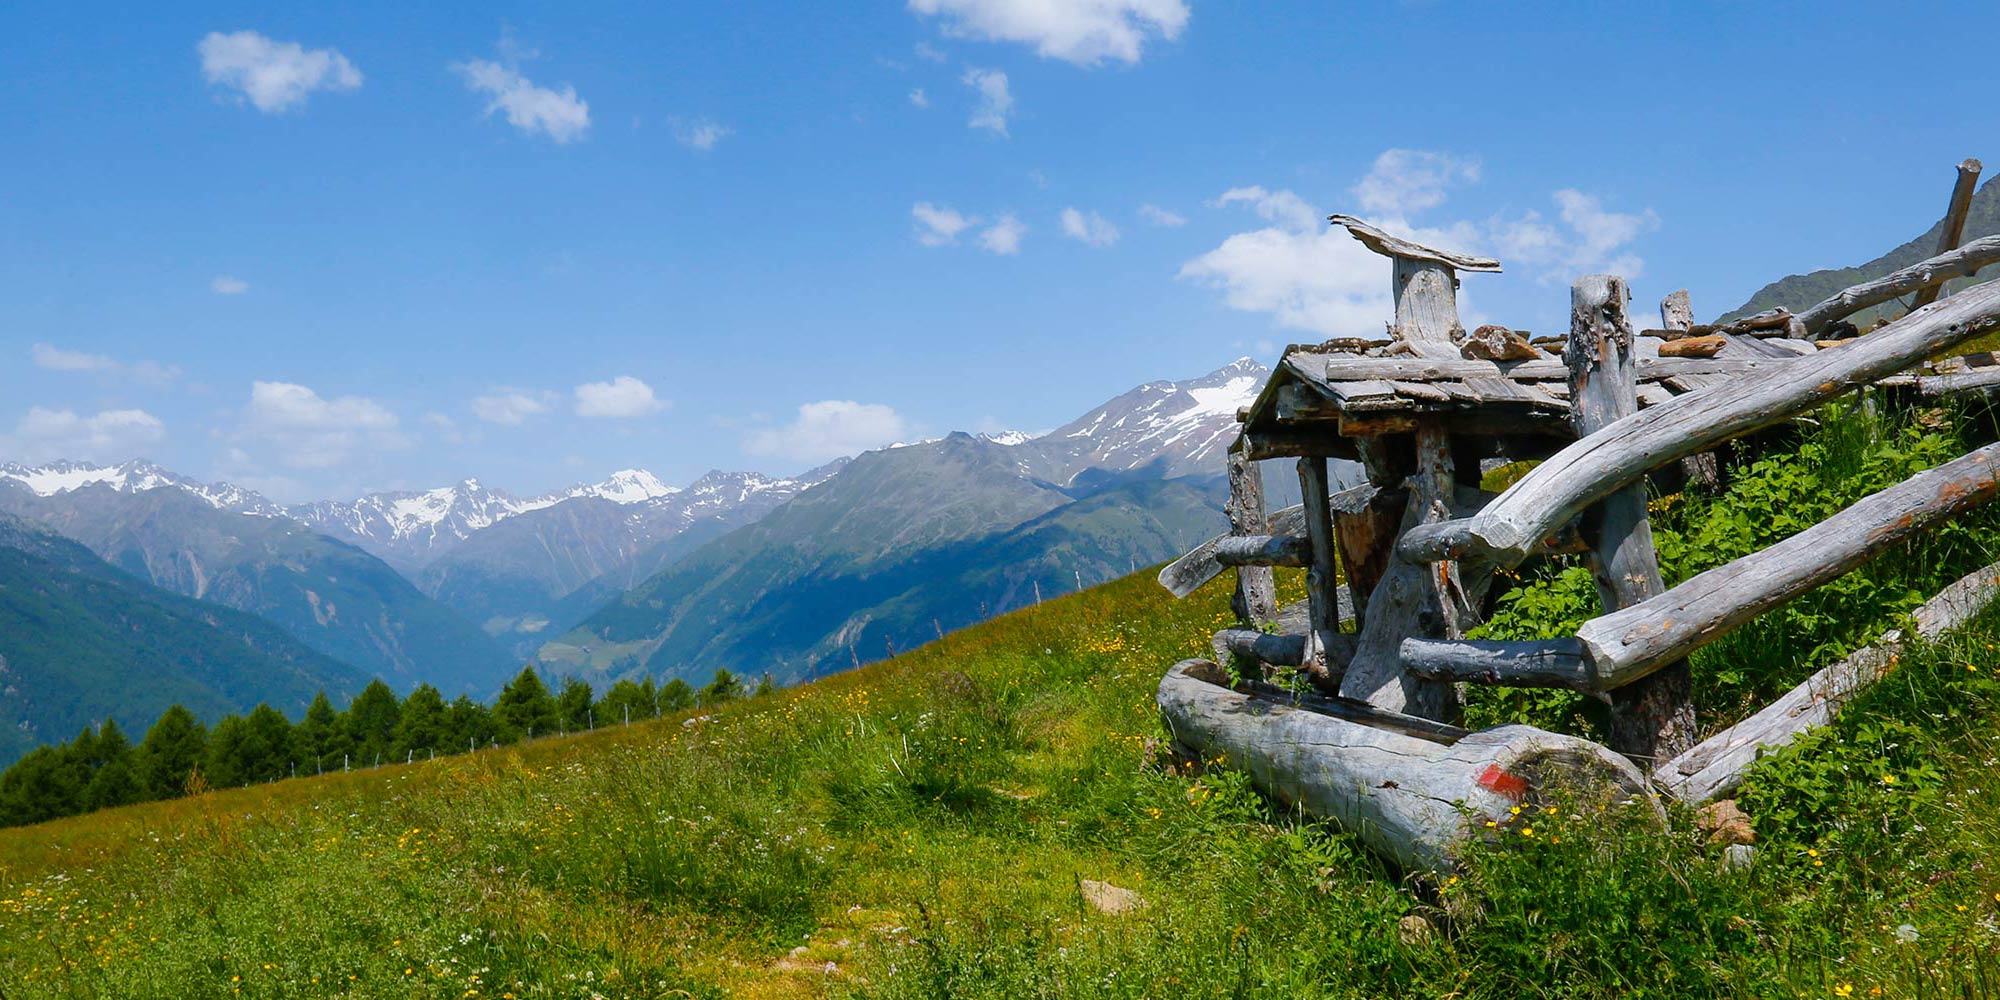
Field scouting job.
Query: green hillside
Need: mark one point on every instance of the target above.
(1797, 291)
(938, 825)
(81, 642)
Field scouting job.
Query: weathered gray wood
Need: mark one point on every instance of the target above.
(1551, 663)
(1954, 224)
(1345, 368)
(1185, 575)
(1366, 539)
(1510, 527)
(1411, 599)
(1391, 246)
(1322, 571)
(1653, 718)
(1427, 307)
(1413, 799)
(1626, 644)
(1962, 262)
(1716, 767)
(1264, 550)
(1283, 650)
(1256, 599)
(1933, 385)
(1676, 311)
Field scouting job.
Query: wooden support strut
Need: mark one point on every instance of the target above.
(1322, 573)
(1264, 550)
(1962, 262)
(1954, 225)
(1411, 599)
(1652, 719)
(1509, 529)
(1622, 646)
(1256, 599)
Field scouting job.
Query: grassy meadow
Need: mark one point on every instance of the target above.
(926, 827)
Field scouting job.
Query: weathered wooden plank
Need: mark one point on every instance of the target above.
(1264, 550)
(1962, 262)
(1346, 368)
(1366, 538)
(1265, 647)
(1954, 224)
(1627, 644)
(1653, 718)
(1392, 246)
(1427, 391)
(1185, 575)
(1716, 766)
(1551, 663)
(1413, 799)
(1410, 600)
(1983, 379)
(1426, 296)
(1256, 599)
(1594, 467)
(1677, 311)
(1322, 572)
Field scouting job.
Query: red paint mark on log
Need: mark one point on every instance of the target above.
(1500, 782)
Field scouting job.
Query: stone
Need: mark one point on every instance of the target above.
(1725, 823)
(1414, 931)
(1109, 899)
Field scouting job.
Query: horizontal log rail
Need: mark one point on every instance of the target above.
(1511, 528)
(1962, 262)
(1615, 649)
(1282, 650)
(1264, 550)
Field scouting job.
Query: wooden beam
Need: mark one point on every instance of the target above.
(1366, 539)
(1426, 295)
(1546, 663)
(1627, 644)
(1322, 572)
(1411, 599)
(1652, 719)
(1256, 599)
(1962, 262)
(1676, 311)
(1279, 650)
(1716, 766)
(1954, 225)
(1412, 797)
(1250, 551)
(1509, 529)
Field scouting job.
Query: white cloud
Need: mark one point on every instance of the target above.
(512, 407)
(1161, 217)
(1085, 32)
(700, 133)
(1282, 207)
(1406, 181)
(939, 225)
(273, 76)
(930, 53)
(1090, 228)
(106, 436)
(57, 359)
(561, 115)
(1003, 236)
(312, 432)
(919, 98)
(830, 429)
(1311, 276)
(621, 397)
(223, 284)
(996, 102)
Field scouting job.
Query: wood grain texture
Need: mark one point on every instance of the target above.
(1587, 471)
(1412, 799)
(1962, 262)
(1677, 311)
(1426, 296)
(1256, 599)
(1412, 599)
(1392, 246)
(1322, 571)
(1264, 550)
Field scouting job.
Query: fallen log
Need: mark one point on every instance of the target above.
(1962, 262)
(1510, 528)
(1416, 793)
(1716, 766)
(1264, 550)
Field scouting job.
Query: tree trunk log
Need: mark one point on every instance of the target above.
(1264, 550)
(1653, 718)
(1962, 262)
(1954, 225)
(1322, 571)
(1416, 799)
(1509, 529)
(1411, 599)
(1427, 307)
(1716, 767)
(1256, 598)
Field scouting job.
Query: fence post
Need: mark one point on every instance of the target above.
(1954, 225)
(1652, 719)
(1256, 600)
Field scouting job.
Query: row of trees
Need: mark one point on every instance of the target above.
(102, 768)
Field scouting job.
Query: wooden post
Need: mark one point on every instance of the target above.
(1427, 307)
(1367, 542)
(1412, 598)
(1954, 225)
(1652, 718)
(1322, 573)
(1676, 312)
(1256, 600)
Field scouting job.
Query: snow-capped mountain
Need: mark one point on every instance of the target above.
(137, 476)
(1171, 428)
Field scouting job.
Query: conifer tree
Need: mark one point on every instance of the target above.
(174, 747)
(525, 708)
(227, 765)
(423, 724)
(37, 788)
(371, 722)
(764, 687)
(573, 705)
(725, 687)
(113, 780)
(468, 725)
(675, 696)
(321, 737)
(267, 749)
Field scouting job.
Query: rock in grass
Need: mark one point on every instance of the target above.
(1109, 899)
(1725, 823)
(1414, 931)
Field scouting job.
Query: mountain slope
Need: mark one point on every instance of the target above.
(81, 641)
(1795, 292)
(906, 539)
(331, 596)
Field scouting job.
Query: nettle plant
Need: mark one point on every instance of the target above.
(1842, 454)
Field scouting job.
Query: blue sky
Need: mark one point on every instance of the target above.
(324, 252)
